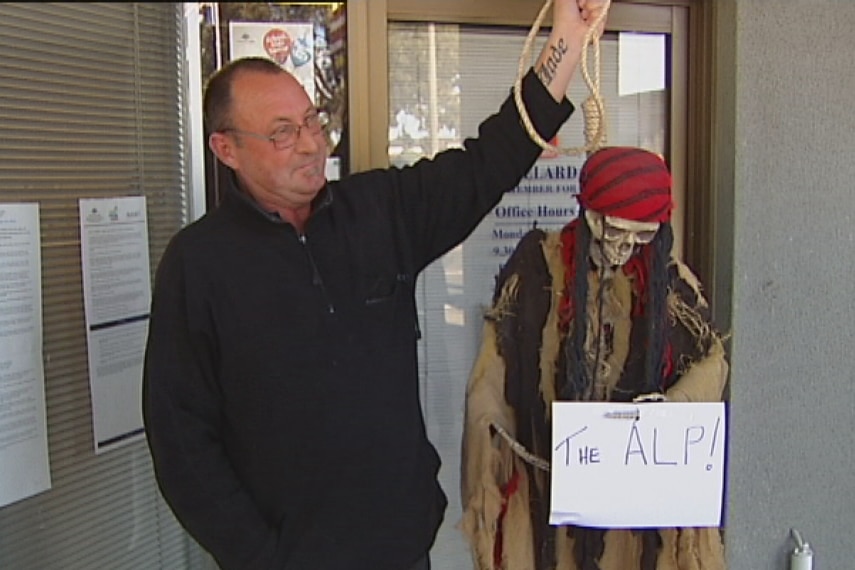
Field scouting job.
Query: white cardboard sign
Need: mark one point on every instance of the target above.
(648, 465)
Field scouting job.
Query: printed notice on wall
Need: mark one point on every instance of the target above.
(637, 466)
(117, 295)
(24, 468)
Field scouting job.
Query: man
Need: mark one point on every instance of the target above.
(280, 391)
(599, 311)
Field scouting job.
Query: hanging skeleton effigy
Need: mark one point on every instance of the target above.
(600, 311)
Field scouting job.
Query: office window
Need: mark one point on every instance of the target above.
(90, 107)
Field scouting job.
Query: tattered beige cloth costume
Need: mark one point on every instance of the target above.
(513, 382)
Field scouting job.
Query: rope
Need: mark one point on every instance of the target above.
(520, 449)
(543, 464)
(593, 107)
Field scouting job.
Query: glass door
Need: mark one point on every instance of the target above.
(444, 78)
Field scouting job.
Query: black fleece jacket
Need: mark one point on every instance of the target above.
(280, 391)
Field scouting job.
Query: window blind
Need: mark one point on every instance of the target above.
(91, 106)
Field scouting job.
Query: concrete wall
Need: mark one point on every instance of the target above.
(785, 182)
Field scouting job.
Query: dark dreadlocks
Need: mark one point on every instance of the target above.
(577, 382)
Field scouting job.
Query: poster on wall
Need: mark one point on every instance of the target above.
(291, 45)
(116, 295)
(24, 464)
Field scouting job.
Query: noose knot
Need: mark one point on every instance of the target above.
(595, 127)
(593, 107)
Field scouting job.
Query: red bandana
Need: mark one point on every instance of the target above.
(626, 182)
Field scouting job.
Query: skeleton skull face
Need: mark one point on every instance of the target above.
(614, 240)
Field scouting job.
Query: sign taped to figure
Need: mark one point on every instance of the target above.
(647, 465)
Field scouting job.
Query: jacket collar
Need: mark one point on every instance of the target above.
(321, 201)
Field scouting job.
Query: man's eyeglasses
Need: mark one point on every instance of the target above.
(288, 134)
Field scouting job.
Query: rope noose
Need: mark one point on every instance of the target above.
(593, 107)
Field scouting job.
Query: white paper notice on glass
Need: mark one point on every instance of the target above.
(24, 466)
(117, 298)
(648, 465)
(291, 45)
(641, 63)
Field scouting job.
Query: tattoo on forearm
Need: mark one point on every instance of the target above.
(550, 65)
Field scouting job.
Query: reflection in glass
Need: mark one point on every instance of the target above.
(328, 21)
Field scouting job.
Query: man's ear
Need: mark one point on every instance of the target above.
(223, 148)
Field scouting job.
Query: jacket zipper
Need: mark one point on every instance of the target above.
(316, 275)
